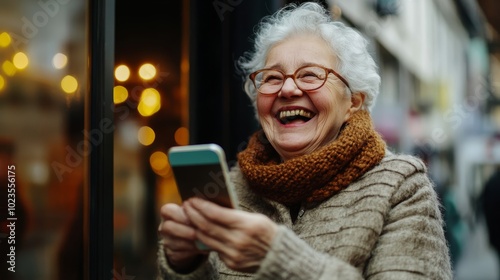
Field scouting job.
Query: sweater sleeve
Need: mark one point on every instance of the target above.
(412, 243)
(292, 258)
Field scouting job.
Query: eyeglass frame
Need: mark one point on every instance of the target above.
(285, 77)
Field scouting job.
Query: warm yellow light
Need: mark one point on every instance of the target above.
(20, 60)
(8, 68)
(146, 135)
(120, 94)
(69, 84)
(159, 163)
(5, 39)
(2, 83)
(147, 71)
(181, 136)
(59, 61)
(122, 73)
(150, 97)
(149, 103)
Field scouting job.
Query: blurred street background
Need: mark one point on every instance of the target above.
(175, 83)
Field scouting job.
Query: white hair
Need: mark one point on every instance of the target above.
(354, 62)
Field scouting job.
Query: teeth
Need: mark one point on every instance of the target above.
(291, 113)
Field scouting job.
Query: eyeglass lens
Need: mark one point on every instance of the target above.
(307, 78)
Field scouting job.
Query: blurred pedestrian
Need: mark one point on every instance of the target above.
(491, 208)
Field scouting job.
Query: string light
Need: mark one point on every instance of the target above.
(149, 103)
(120, 94)
(146, 135)
(122, 73)
(5, 39)
(8, 68)
(147, 71)
(181, 136)
(159, 163)
(59, 61)
(2, 83)
(69, 84)
(20, 60)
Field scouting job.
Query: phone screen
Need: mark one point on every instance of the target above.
(205, 181)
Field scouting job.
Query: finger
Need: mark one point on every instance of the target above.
(245, 229)
(171, 211)
(178, 245)
(216, 213)
(198, 220)
(215, 242)
(216, 231)
(182, 258)
(172, 228)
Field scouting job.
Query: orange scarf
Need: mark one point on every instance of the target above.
(316, 176)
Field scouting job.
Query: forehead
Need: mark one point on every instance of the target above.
(299, 50)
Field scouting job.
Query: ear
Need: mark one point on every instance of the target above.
(357, 101)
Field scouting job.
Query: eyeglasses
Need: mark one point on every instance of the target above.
(307, 78)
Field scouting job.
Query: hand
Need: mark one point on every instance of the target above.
(179, 239)
(241, 239)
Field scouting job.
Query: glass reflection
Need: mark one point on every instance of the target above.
(41, 126)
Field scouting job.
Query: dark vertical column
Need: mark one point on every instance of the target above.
(99, 122)
(220, 32)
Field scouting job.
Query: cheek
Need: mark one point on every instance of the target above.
(329, 101)
(264, 106)
(334, 106)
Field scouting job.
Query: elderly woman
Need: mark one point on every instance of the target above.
(320, 196)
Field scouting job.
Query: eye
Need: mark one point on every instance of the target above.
(310, 75)
(272, 78)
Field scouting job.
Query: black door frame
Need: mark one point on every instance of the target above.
(99, 106)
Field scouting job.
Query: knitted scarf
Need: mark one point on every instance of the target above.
(319, 175)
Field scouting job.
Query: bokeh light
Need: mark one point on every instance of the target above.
(149, 103)
(147, 71)
(20, 60)
(5, 39)
(159, 163)
(146, 135)
(181, 136)
(2, 83)
(120, 94)
(122, 73)
(8, 68)
(69, 84)
(59, 61)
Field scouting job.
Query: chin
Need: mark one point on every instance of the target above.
(288, 149)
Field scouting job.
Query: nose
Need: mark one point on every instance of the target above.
(289, 89)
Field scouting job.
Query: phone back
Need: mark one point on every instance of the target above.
(201, 171)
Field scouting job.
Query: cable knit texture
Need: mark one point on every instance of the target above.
(385, 224)
(316, 176)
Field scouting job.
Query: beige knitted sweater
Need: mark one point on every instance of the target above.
(386, 225)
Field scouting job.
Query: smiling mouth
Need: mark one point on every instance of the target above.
(289, 116)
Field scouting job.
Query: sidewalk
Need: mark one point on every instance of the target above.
(478, 260)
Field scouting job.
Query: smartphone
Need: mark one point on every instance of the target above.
(201, 171)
